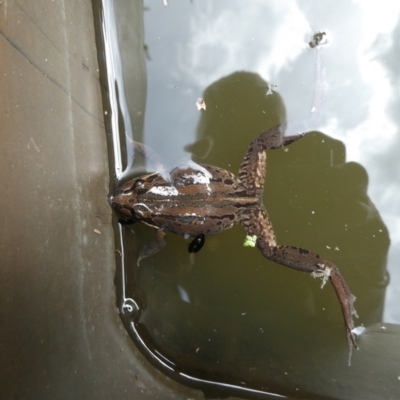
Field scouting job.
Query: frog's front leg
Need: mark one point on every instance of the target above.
(148, 154)
(257, 224)
(153, 247)
(252, 170)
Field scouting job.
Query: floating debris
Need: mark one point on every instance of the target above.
(250, 241)
(358, 330)
(318, 39)
(271, 89)
(201, 104)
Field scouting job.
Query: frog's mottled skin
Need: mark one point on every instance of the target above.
(208, 200)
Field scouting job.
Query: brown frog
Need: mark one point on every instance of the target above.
(202, 200)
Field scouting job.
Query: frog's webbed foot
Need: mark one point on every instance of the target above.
(153, 247)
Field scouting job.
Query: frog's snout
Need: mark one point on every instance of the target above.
(115, 204)
(115, 199)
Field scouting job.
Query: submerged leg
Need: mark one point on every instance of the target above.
(148, 154)
(256, 223)
(306, 261)
(153, 247)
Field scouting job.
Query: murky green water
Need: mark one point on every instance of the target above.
(226, 320)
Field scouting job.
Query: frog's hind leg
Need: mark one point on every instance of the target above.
(257, 224)
(251, 173)
(153, 247)
(306, 261)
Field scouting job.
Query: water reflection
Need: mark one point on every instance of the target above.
(386, 52)
(228, 316)
(312, 191)
(218, 317)
(270, 39)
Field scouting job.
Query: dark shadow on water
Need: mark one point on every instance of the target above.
(228, 315)
(310, 186)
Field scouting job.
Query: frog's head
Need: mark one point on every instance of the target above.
(129, 198)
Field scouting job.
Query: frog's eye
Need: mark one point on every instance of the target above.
(139, 183)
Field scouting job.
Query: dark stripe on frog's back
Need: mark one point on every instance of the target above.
(198, 207)
(217, 203)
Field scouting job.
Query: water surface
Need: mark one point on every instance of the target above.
(226, 320)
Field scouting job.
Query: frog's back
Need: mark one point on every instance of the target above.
(198, 200)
